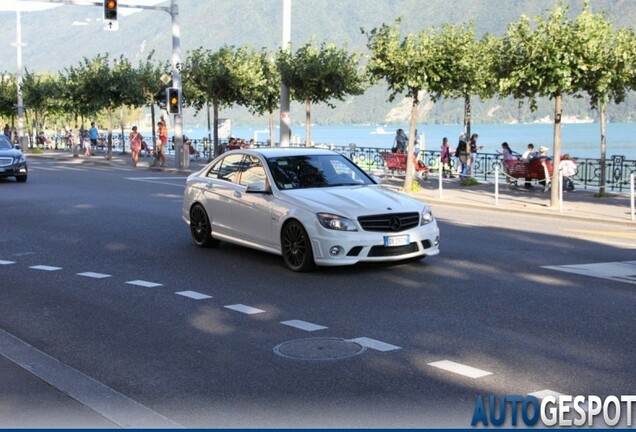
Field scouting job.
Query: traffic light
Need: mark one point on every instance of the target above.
(110, 10)
(174, 100)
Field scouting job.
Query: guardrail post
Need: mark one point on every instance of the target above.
(560, 191)
(440, 175)
(631, 187)
(496, 184)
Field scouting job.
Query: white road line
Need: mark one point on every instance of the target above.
(94, 275)
(374, 344)
(6, 262)
(194, 295)
(460, 369)
(541, 394)
(95, 395)
(45, 268)
(244, 309)
(303, 325)
(144, 283)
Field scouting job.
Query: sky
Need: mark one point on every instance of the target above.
(24, 5)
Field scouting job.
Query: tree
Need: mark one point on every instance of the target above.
(221, 78)
(404, 65)
(41, 93)
(608, 70)
(265, 92)
(541, 62)
(318, 75)
(8, 95)
(460, 66)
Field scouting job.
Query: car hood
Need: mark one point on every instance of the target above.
(352, 201)
(10, 153)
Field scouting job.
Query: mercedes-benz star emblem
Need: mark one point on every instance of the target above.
(394, 223)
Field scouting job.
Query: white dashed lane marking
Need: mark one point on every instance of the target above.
(460, 369)
(193, 295)
(45, 268)
(94, 275)
(303, 325)
(143, 283)
(244, 309)
(374, 344)
(543, 393)
(6, 262)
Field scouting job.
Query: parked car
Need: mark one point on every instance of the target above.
(12, 161)
(312, 206)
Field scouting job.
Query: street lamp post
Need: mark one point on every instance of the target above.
(21, 140)
(285, 121)
(182, 157)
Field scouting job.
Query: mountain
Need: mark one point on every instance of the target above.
(63, 36)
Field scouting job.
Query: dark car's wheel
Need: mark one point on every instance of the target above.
(21, 179)
(296, 248)
(200, 227)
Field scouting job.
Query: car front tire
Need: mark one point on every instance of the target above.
(296, 248)
(200, 227)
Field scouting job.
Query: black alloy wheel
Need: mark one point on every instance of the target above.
(200, 227)
(296, 248)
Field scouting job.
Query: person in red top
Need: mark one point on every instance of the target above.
(162, 132)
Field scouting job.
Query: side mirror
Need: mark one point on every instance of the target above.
(259, 187)
(17, 147)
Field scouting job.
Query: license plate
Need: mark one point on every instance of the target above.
(390, 241)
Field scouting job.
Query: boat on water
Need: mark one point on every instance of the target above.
(380, 131)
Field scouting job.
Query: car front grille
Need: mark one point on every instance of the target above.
(392, 222)
(382, 251)
(5, 161)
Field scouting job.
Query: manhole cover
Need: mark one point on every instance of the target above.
(319, 349)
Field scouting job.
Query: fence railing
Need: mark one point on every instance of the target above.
(618, 169)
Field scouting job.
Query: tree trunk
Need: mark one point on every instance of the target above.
(207, 105)
(109, 156)
(152, 127)
(556, 154)
(216, 128)
(410, 163)
(308, 122)
(467, 115)
(601, 106)
(272, 135)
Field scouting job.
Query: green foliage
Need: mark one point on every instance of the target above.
(468, 181)
(320, 74)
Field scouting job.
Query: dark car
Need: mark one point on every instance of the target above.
(12, 161)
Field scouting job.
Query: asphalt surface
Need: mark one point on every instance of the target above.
(40, 392)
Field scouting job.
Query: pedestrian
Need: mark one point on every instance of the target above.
(86, 142)
(529, 153)
(400, 142)
(93, 135)
(135, 145)
(506, 152)
(461, 153)
(473, 154)
(567, 166)
(7, 131)
(162, 132)
(445, 159)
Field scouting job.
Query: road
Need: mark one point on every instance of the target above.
(99, 272)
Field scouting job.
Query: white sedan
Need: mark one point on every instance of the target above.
(313, 207)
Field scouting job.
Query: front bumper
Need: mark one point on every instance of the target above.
(19, 169)
(364, 246)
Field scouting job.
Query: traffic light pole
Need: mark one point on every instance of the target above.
(182, 156)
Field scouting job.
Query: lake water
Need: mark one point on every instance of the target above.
(579, 140)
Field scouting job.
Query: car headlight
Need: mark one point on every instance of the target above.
(335, 222)
(427, 216)
(22, 159)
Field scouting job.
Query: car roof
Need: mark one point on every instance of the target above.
(272, 152)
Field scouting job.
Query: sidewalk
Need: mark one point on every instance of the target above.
(581, 204)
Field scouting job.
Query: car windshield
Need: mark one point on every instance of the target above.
(315, 171)
(4, 143)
